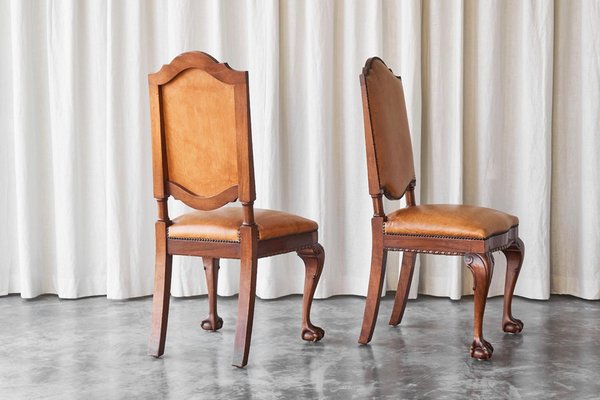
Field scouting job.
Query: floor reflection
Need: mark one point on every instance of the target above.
(94, 347)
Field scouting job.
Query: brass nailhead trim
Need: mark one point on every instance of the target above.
(446, 253)
(202, 240)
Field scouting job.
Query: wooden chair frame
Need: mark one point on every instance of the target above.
(477, 253)
(249, 248)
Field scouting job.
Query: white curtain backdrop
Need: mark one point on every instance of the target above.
(503, 100)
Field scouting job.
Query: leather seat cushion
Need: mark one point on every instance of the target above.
(453, 221)
(224, 224)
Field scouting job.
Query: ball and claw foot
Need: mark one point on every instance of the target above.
(212, 324)
(512, 325)
(481, 349)
(312, 333)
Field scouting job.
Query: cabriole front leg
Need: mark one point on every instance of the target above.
(211, 270)
(514, 259)
(314, 258)
(482, 266)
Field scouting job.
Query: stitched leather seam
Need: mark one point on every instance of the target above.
(448, 237)
(276, 237)
(233, 242)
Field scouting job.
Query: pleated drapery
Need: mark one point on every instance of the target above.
(503, 101)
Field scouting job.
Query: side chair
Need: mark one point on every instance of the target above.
(468, 231)
(202, 155)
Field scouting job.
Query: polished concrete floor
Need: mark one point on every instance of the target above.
(95, 348)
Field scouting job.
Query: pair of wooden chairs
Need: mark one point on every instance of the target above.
(202, 155)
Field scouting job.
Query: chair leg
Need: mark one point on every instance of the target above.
(162, 294)
(211, 270)
(248, 267)
(514, 259)
(482, 266)
(406, 275)
(378, 260)
(313, 258)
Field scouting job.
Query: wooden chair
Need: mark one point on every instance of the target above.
(473, 232)
(202, 155)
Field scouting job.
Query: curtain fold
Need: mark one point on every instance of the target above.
(503, 101)
(575, 219)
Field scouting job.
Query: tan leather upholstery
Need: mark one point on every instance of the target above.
(456, 221)
(200, 132)
(224, 224)
(389, 124)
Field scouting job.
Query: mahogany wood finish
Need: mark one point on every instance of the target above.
(202, 155)
(390, 166)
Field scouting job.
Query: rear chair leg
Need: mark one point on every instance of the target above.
(162, 293)
(482, 266)
(406, 275)
(514, 259)
(378, 260)
(247, 296)
(211, 270)
(313, 258)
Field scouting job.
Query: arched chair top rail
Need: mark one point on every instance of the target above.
(200, 60)
(368, 67)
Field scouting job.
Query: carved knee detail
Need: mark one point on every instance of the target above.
(480, 267)
(316, 251)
